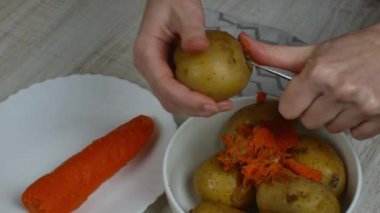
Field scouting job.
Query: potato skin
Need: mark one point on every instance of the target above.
(214, 184)
(255, 113)
(317, 154)
(219, 72)
(296, 196)
(211, 207)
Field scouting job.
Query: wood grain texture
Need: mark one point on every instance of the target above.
(43, 39)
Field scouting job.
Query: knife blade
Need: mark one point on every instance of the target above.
(276, 71)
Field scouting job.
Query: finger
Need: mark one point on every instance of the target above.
(204, 110)
(207, 107)
(192, 30)
(224, 105)
(179, 99)
(345, 120)
(297, 97)
(285, 57)
(322, 110)
(173, 96)
(366, 129)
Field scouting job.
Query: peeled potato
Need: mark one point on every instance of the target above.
(219, 72)
(211, 207)
(296, 196)
(214, 184)
(317, 154)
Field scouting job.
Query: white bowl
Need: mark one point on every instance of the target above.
(197, 139)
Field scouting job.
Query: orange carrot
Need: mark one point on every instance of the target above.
(69, 185)
(305, 171)
(261, 154)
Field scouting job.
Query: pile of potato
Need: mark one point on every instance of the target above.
(221, 191)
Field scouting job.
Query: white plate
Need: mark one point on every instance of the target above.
(45, 124)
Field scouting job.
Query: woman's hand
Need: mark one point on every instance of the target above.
(165, 21)
(338, 85)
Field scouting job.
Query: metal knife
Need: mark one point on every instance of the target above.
(276, 71)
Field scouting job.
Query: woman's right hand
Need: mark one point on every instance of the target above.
(337, 85)
(165, 21)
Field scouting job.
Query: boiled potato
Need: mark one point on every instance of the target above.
(296, 196)
(211, 207)
(253, 114)
(317, 154)
(219, 72)
(214, 184)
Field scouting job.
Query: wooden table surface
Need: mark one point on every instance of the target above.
(44, 39)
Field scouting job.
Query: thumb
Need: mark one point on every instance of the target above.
(191, 27)
(292, 58)
(193, 38)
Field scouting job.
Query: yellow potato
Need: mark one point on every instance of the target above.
(296, 196)
(219, 72)
(317, 154)
(214, 184)
(211, 207)
(253, 114)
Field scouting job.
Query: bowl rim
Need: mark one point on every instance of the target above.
(359, 173)
(173, 201)
(168, 191)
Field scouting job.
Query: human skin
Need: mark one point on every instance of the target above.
(165, 22)
(337, 85)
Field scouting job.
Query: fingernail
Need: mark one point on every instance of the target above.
(224, 106)
(244, 34)
(210, 108)
(244, 42)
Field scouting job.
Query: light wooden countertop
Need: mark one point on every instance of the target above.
(41, 40)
